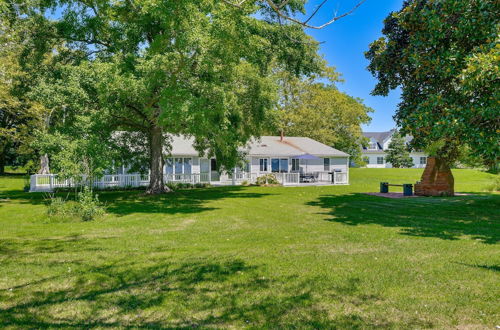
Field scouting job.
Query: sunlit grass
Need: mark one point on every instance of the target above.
(308, 257)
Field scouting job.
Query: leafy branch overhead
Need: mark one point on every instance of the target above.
(286, 9)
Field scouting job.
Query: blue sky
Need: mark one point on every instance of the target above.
(345, 42)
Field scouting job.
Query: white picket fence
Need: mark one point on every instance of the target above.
(48, 182)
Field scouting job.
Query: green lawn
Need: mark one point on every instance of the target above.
(308, 257)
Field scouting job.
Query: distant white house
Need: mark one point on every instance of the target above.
(293, 160)
(376, 152)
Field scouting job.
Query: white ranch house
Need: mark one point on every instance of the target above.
(293, 160)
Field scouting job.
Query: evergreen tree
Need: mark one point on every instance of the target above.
(398, 154)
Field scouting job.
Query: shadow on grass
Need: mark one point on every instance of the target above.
(494, 268)
(179, 202)
(195, 293)
(445, 218)
(126, 202)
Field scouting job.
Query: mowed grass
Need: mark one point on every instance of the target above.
(308, 257)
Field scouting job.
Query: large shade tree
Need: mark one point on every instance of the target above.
(444, 55)
(201, 68)
(19, 115)
(314, 107)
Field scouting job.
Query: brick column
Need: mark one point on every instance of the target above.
(437, 179)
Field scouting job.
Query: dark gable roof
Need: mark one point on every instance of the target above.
(380, 137)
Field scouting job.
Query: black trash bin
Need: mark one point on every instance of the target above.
(384, 187)
(407, 189)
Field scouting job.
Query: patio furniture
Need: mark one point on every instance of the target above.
(308, 178)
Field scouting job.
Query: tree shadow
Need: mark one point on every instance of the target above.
(444, 218)
(178, 202)
(494, 268)
(121, 203)
(195, 293)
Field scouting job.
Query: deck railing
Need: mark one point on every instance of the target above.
(48, 182)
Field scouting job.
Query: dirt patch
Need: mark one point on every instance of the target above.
(400, 195)
(392, 195)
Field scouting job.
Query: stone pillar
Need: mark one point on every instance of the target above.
(437, 179)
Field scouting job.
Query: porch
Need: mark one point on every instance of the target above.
(48, 182)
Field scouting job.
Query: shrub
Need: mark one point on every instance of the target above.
(186, 185)
(267, 179)
(89, 206)
(60, 208)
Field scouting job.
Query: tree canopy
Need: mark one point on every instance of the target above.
(444, 55)
(315, 108)
(197, 68)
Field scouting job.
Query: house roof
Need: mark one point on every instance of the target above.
(264, 146)
(267, 146)
(379, 137)
(183, 145)
(291, 146)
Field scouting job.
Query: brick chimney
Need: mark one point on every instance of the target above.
(436, 180)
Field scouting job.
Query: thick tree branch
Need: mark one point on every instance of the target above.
(128, 122)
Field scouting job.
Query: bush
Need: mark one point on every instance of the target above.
(87, 207)
(60, 208)
(182, 185)
(267, 179)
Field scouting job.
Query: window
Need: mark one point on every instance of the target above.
(187, 165)
(380, 160)
(275, 165)
(178, 165)
(263, 165)
(204, 166)
(284, 165)
(295, 165)
(372, 146)
(169, 166)
(423, 160)
(279, 165)
(326, 164)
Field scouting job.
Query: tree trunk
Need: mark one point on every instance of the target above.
(156, 182)
(44, 165)
(2, 161)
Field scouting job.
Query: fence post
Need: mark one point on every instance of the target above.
(33, 182)
(51, 181)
